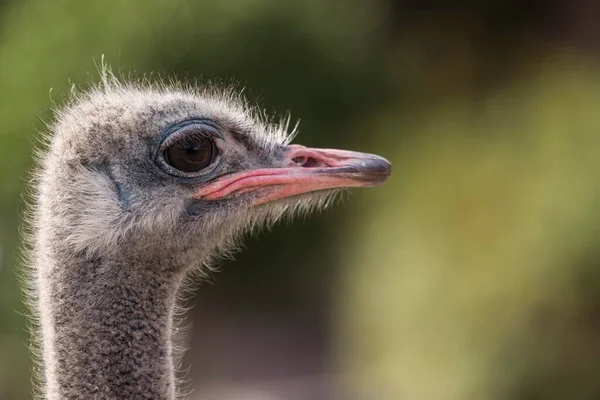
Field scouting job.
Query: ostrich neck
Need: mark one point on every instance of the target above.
(106, 330)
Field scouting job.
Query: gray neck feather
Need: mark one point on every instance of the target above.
(107, 329)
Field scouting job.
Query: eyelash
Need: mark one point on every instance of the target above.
(184, 139)
(197, 126)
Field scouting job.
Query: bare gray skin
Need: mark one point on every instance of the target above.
(119, 222)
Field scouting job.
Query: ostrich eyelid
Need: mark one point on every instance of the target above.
(176, 129)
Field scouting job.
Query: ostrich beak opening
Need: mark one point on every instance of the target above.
(302, 170)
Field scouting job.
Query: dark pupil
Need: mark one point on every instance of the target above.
(190, 156)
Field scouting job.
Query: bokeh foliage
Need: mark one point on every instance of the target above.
(472, 274)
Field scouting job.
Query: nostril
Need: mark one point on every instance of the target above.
(306, 162)
(312, 163)
(300, 160)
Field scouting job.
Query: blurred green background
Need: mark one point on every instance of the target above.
(474, 273)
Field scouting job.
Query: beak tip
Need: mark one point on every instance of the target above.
(379, 165)
(376, 169)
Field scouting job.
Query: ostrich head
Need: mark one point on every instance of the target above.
(136, 170)
(139, 184)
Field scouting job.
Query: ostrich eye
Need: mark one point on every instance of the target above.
(191, 154)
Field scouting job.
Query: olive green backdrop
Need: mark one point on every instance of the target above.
(473, 274)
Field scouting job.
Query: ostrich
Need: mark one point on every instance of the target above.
(140, 185)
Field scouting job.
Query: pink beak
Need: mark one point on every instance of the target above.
(303, 170)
